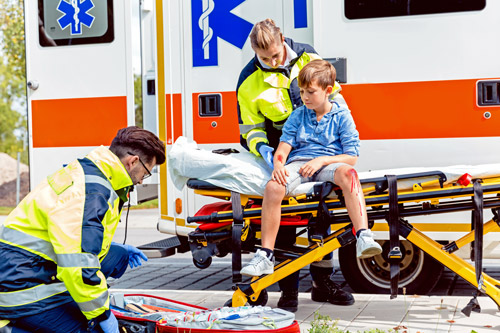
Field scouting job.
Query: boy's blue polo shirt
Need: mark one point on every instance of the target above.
(335, 134)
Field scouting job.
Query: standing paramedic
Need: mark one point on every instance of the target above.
(267, 93)
(56, 245)
(321, 144)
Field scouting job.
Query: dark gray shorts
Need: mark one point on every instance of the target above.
(324, 174)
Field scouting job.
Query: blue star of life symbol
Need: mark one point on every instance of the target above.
(75, 14)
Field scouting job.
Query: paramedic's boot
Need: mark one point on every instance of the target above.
(325, 290)
(260, 264)
(289, 300)
(366, 246)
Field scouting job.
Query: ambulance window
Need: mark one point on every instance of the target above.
(361, 9)
(72, 22)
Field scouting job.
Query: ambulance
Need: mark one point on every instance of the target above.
(422, 79)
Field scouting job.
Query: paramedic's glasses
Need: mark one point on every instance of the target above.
(144, 165)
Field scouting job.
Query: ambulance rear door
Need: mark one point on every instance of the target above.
(80, 78)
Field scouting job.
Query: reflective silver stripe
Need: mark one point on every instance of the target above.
(247, 128)
(278, 126)
(256, 135)
(78, 260)
(26, 296)
(31, 242)
(101, 181)
(94, 304)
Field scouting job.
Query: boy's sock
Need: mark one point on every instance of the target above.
(269, 253)
(358, 232)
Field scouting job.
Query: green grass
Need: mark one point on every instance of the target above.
(6, 210)
(324, 324)
(146, 205)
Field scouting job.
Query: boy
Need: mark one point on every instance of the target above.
(325, 146)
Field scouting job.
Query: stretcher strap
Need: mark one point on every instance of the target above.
(318, 228)
(477, 225)
(236, 235)
(478, 232)
(395, 254)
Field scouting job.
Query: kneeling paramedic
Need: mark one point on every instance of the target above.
(56, 245)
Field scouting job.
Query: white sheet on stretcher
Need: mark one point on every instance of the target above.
(247, 174)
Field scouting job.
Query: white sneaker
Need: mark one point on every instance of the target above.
(259, 265)
(366, 246)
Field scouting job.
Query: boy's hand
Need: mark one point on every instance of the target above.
(310, 168)
(279, 174)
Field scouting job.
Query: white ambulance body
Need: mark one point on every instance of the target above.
(423, 88)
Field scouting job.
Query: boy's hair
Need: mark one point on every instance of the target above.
(265, 34)
(319, 71)
(139, 142)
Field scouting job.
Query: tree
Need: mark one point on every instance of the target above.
(138, 100)
(12, 79)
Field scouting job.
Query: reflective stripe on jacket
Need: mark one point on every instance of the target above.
(270, 94)
(53, 242)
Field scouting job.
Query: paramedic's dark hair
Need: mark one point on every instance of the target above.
(319, 71)
(265, 34)
(138, 141)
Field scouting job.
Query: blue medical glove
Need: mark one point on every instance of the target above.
(109, 325)
(134, 255)
(267, 155)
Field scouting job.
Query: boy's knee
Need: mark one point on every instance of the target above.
(275, 190)
(345, 176)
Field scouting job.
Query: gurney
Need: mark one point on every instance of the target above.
(234, 226)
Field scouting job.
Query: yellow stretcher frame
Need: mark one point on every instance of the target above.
(431, 198)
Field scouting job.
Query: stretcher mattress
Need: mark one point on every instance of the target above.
(247, 174)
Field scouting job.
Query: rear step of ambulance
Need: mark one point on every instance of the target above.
(164, 248)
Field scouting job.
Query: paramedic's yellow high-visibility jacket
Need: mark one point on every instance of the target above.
(267, 96)
(52, 244)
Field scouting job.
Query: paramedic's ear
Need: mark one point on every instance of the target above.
(130, 161)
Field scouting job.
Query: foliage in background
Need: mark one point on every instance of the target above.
(138, 101)
(12, 79)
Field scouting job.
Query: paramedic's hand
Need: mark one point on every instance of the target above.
(310, 168)
(279, 174)
(109, 325)
(267, 154)
(134, 255)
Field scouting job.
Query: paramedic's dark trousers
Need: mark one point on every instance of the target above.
(68, 317)
(286, 237)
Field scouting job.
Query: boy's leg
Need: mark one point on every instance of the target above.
(263, 262)
(347, 178)
(271, 213)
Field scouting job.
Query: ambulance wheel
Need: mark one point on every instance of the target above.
(202, 265)
(419, 272)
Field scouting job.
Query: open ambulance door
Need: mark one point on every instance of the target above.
(80, 78)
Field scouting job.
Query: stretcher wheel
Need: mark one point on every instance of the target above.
(261, 300)
(419, 272)
(204, 264)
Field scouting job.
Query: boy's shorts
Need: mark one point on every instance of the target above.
(324, 174)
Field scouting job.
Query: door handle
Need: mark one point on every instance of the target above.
(33, 84)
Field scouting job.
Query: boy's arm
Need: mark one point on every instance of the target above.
(280, 173)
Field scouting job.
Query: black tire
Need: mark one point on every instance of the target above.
(203, 265)
(419, 272)
(261, 300)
